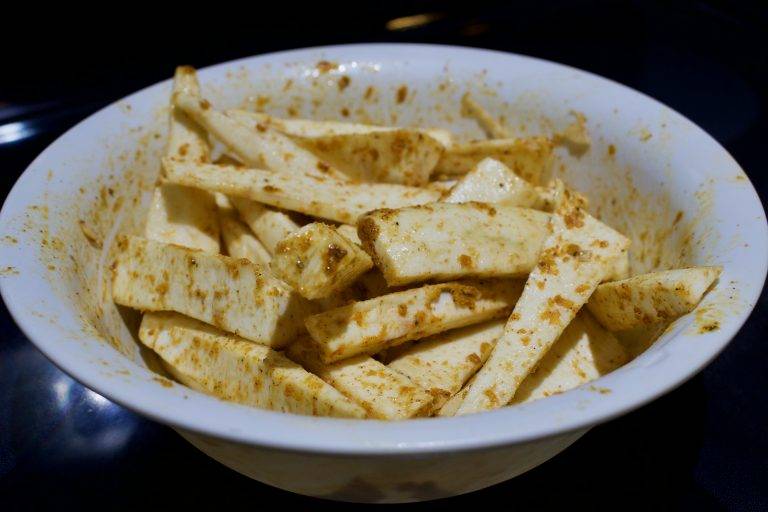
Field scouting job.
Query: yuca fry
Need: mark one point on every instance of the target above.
(442, 363)
(400, 155)
(312, 195)
(445, 241)
(370, 326)
(384, 393)
(584, 352)
(317, 261)
(239, 239)
(184, 215)
(492, 128)
(229, 367)
(574, 260)
(349, 232)
(257, 146)
(310, 129)
(530, 157)
(575, 136)
(651, 298)
(233, 294)
(493, 182)
(269, 225)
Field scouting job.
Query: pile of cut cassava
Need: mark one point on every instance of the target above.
(361, 271)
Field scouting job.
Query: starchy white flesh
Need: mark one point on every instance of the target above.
(312, 195)
(239, 240)
(619, 267)
(575, 136)
(318, 262)
(233, 294)
(254, 145)
(530, 158)
(229, 367)
(186, 139)
(445, 241)
(442, 363)
(370, 326)
(402, 155)
(493, 182)
(309, 129)
(184, 215)
(269, 225)
(349, 232)
(384, 393)
(584, 352)
(648, 299)
(492, 128)
(574, 260)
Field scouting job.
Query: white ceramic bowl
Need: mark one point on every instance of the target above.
(646, 164)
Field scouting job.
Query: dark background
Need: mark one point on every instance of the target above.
(702, 447)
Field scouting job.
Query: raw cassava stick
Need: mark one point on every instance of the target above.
(648, 299)
(574, 260)
(402, 156)
(255, 145)
(221, 364)
(530, 158)
(382, 392)
(442, 363)
(318, 262)
(268, 224)
(492, 128)
(370, 326)
(490, 181)
(309, 129)
(183, 215)
(445, 241)
(309, 194)
(239, 239)
(232, 294)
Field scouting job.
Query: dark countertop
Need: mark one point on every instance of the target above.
(701, 447)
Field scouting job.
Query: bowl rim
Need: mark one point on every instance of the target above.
(567, 412)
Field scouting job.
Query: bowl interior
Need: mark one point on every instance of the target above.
(649, 172)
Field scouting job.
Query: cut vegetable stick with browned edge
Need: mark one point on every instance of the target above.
(575, 258)
(256, 145)
(232, 368)
(384, 393)
(233, 294)
(530, 157)
(304, 193)
(442, 363)
(183, 215)
(652, 298)
(492, 128)
(302, 129)
(370, 326)
(443, 241)
(268, 224)
(490, 181)
(584, 352)
(318, 262)
(239, 239)
(401, 156)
